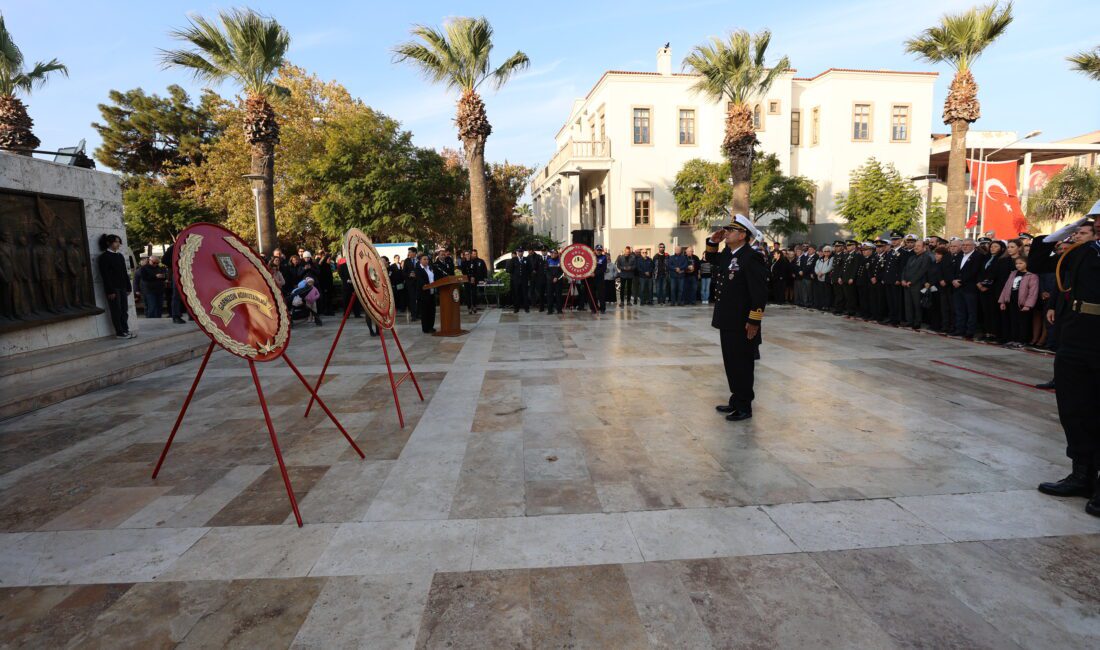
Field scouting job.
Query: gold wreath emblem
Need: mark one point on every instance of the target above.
(187, 281)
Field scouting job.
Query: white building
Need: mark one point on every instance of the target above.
(622, 145)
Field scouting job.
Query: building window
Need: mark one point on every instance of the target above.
(773, 107)
(899, 123)
(861, 122)
(757, 118)
(643, 202)
(641, 126)
(815, 125)
(687, 126)
(796, 128)
(603, 127)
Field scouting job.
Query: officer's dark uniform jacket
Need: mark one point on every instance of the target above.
(1079, 274)
(740, 285)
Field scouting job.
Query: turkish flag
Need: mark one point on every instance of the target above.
(1041, 174)
(995, 185)
(973, 220)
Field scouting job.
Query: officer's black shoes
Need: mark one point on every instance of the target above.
(1046, 385)
(737, 415)
(1081, 482)
(178, 321)
(725, 408)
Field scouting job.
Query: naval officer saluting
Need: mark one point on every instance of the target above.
(741, 278)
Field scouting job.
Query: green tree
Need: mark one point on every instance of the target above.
(879, 198)
(703, 196)
(507, 182)
(1087, 63)
(1070, 192)
(783, 197)
(374, 178)
(733, 70)
(155, 214)
(144, 134)
(458, 57)
(249, 49)
(959, 40)
(15, 124)
(937, 218)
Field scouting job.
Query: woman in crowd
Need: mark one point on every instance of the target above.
(789, 277)
(822, 288)
(780, 271)
(994, 274)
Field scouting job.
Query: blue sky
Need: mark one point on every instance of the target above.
(1024, 80)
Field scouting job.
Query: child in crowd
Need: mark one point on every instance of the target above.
(1019, 296)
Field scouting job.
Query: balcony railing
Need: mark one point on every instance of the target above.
(577, 150)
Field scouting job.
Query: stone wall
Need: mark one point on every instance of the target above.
(102, 197)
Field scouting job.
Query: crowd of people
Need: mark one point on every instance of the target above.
(971, 289)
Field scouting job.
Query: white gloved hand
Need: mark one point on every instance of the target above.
(1065, 231)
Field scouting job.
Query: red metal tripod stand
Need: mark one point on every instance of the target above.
(267, 419)
(394, 383)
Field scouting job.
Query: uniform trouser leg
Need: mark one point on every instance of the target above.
(738, 357)
(838, 298)
(912, 306)
(947, 321)
(553, 297)
(865, 306)
(471, 295)
(427, 312)
(175, 303)
(1077, 377)
(851, 299)
(413, 298)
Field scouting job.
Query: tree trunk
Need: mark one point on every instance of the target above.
(479, 198)
(263, 164)
(738, 143)
(956, 180)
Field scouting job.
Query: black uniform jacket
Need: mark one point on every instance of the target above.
(741, 285)
(112, 269)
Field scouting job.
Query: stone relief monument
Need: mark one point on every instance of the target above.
(45, 265)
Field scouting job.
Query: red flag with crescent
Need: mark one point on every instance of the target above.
(1041, 174)
(994, 183)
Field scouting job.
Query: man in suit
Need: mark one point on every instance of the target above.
(848, 278)
(806, 273)
(740, 296)
(412, 292)
(519, 271)
(536, 264)
(965, 275)
(475, 271)
(425, 274)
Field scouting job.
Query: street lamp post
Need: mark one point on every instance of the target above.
(985, 174)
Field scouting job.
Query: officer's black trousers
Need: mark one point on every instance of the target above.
(427, 312)
(553, 295)
(519, 294)
(878, 302)
(738, 356)
(1077, 378)
(894, 303)
(851, 299)
(866, 303)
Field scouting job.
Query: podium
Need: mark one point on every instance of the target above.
(450, 298)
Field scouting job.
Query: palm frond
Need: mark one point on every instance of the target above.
(458, 55)
(1087, 62)
(959, 39)
(734, 68)
(13, 76)
(11, 57)
(246, 46)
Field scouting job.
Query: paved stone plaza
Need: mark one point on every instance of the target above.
(567, 483)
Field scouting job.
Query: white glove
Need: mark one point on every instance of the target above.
(1064, 231)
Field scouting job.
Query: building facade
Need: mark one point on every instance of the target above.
(617, 155)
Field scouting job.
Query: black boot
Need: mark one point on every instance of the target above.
(1081, 482)
(1048, 385)
(1093, 506)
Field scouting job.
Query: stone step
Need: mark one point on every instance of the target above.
(34, 380)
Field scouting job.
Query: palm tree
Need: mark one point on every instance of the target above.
(1087, 62)
(15, 124)
(959, 40)
(733, 70)
(248, 48)
(458, 57)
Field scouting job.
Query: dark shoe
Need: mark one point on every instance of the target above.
(179, 321)
(737, 416)
(1081, 482)
(725, 408)
(1093, 506)
(1046, 385)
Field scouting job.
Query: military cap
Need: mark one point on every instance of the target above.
(911, 237)
(895, 236)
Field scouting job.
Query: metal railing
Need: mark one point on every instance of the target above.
(579, 150)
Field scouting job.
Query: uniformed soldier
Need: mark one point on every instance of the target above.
(848, 279)
(878, 282)
(741, 278)
(840, 258)
(1077, 361)
(555, 282)
(866, 271)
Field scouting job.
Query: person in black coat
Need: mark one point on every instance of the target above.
(519, 271)
(780, 270)
(555, 283)
(741, 274)
(426, 273)
(965, 274)
(475, 271)
(116, 284)
(412, 292)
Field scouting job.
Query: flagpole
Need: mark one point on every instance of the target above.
(983, 173)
